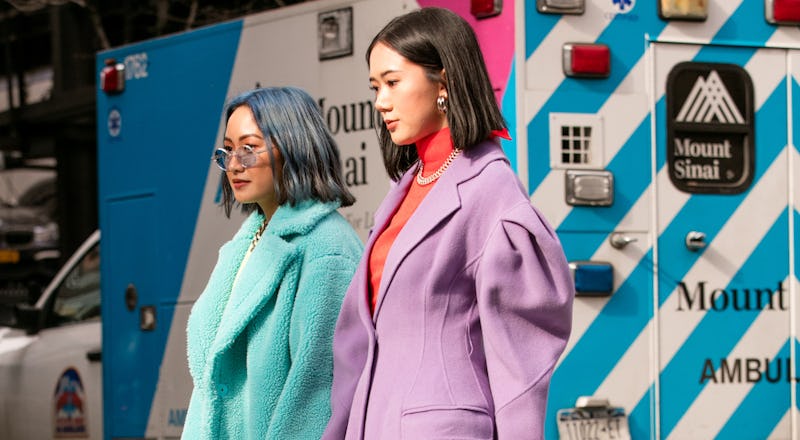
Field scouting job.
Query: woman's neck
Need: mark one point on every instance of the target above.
(268, 209)
(434, 149)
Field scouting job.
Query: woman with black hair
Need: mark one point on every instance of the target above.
(461, 304)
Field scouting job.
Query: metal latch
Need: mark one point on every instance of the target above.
(695, 241)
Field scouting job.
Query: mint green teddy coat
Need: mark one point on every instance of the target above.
(262, 367)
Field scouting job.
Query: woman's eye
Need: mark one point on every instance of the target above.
(392, 82)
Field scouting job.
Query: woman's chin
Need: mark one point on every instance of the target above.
(242, 200)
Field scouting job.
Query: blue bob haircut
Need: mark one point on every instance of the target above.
(312, 167)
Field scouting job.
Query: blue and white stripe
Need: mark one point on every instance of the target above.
(635, 347)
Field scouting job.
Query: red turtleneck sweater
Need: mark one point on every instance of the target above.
(433, 151)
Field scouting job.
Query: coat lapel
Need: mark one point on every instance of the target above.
(439, 204)
(206, 315)
(214, 326)
(383, 215)
(258, 282)
(390, 203)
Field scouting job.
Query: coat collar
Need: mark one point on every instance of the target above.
(287, 219)
(224, 310)
(442, 201)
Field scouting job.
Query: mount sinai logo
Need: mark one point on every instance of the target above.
(710, 128)
(709, 100)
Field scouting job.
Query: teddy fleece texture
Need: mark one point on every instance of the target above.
(262, 365)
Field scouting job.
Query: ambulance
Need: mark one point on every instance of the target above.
(656, 136)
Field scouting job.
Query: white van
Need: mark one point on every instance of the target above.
(50, 356)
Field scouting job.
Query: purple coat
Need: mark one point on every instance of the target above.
(473, 311)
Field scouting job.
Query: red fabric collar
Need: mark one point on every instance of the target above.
(502, 134)
(434, 149)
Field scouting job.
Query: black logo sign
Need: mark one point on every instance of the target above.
(710, 128)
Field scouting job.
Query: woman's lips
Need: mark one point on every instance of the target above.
(238, 183)
(391, 124)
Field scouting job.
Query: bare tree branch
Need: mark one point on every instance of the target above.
(97, 22)
(162, 15)
(192, 14)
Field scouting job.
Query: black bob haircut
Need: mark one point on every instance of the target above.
(438, 39)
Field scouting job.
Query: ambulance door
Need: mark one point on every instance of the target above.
(722, 206)
(134, 325)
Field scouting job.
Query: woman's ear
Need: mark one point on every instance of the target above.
(443, 83)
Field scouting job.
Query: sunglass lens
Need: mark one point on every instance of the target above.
(221, 159)
(247, 158)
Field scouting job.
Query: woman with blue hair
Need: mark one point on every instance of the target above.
(259, 338)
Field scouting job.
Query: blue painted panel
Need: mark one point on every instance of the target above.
(167, 123)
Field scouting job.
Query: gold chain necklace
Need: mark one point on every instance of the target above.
(257, 236)
(438, 173)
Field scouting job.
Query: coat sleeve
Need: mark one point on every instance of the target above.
(191, 426)
(304, 405)
(524, 294)
(350, 357)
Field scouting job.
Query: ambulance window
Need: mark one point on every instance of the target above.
(576, 141)
(78, 297)
(575, 145)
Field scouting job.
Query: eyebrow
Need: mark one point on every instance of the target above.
(384, 73)
(245, 136)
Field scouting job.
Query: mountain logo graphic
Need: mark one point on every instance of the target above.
(709, 101)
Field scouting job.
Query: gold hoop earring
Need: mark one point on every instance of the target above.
(441, 104)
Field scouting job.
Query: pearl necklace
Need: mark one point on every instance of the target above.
(257, 236)
(438, 173)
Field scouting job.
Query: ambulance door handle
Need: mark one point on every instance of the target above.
(619, 240)
(94, 355)
(695, 241)
(147, 318)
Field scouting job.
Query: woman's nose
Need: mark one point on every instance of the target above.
(381, 103)
(234, 164)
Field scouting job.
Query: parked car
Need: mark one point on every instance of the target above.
(50, 353)
(29, 243)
